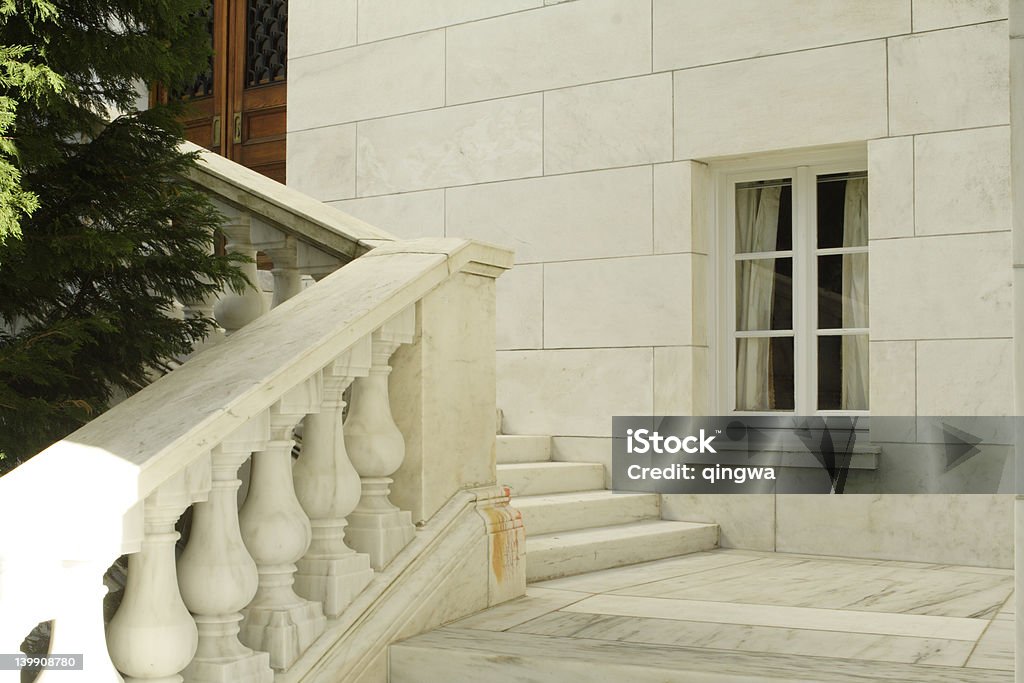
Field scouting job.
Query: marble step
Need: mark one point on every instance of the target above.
(512, 448)
(458, 655)
(565, 553)
(536, 478)
(585, 509)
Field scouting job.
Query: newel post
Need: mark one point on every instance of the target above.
(443, 396)
(443, 389)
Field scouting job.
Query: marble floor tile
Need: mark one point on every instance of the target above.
(834, 584)
(746, 638)
(995, 649)
(467, 656)
(537, 602)
(1009, 608)
(879, 623)
(850, 617)
(624, 577)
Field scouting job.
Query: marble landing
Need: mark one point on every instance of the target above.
(725, 615)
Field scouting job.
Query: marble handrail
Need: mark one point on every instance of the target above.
(103, 470)
(288, 210)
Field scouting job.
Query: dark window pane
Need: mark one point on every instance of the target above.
(764, 216)
(764, 373)
(266, 42)
(842, 291)
(203, 84)
(843, 372)
(842, 210)
(764, 294)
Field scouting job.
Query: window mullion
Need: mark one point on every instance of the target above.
(805, 321)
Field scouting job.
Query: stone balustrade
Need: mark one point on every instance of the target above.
(257, 587)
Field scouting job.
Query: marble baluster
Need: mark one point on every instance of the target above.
(377, 448)
(328, 488)
(283, 252)
(78, 624)
(217, 576)
(152, 637)
(234, 311)
(277, 533)
(204, 309)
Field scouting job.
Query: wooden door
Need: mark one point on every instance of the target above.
(238, 106)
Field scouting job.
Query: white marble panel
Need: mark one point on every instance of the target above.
(923, 527)
(818, 97)
(563, 45)
(910, 468)
(315, 26)
(965, 377)
(891, 187)
(744, 521)
(616, 123)
(681, 380)
(365, 81)
(996, 649)
(474, 143)
(537, 602)
(637, 301)
(464, 592)
(520, 297)
(386, 18)
(745, 638)
(893, 378)
(407, 215)
(681, 194)
(952, 628)
(962, 181)
(577, 216)
(945, 80)
(691, 33)
(573, 392)
(322, 162)
(924, 288)
(932, 14)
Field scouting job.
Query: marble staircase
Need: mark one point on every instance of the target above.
(574, 525)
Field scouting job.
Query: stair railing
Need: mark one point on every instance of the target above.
(256, 585)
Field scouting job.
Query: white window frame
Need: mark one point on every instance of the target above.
(802, 169)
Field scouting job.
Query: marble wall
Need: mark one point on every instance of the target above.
(585, 135)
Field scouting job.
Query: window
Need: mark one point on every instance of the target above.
(796, 290)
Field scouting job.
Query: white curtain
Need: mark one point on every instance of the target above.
(757, 218)
(855, 296)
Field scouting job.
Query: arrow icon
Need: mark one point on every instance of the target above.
(960, 446)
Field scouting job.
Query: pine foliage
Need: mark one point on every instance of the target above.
(109, 236)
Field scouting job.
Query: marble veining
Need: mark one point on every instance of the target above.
(728, 615)
(743, 637)
(834, 584)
